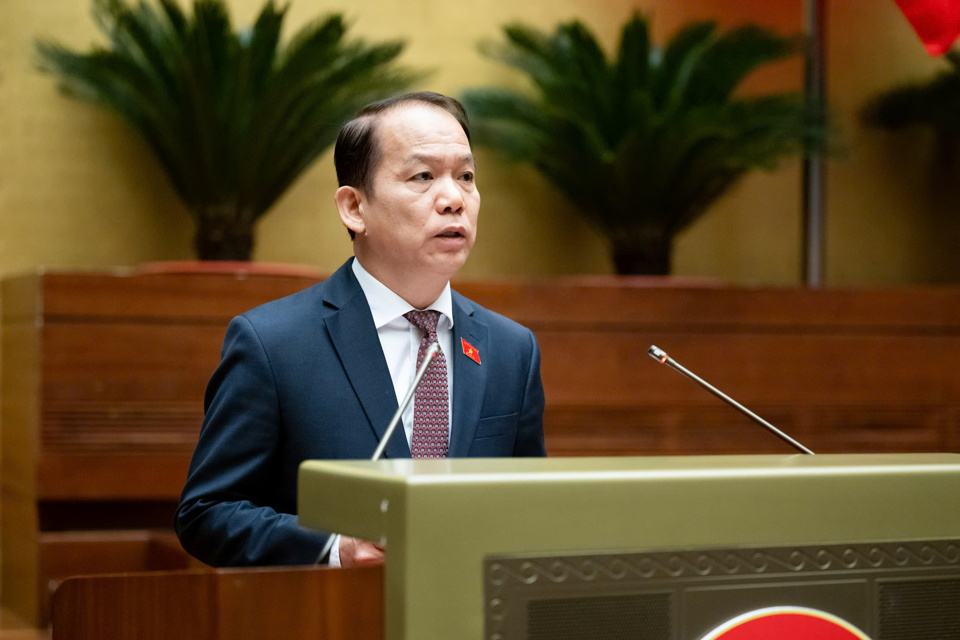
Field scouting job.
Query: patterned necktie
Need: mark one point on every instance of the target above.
(431, 412)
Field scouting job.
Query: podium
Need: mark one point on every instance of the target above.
(668, 547)
(293, 603)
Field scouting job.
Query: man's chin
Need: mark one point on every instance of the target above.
(448, 264)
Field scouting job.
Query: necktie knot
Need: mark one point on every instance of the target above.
(426, 321)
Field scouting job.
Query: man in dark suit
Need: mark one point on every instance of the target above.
(317, 375)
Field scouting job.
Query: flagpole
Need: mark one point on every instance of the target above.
(814, 171)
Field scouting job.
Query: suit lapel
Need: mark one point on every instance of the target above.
(354, 336)
(469, 378)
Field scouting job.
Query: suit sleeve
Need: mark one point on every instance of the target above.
(529, 440)
(233, 510)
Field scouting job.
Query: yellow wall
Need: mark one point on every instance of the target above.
(893, 203)
(78, 190)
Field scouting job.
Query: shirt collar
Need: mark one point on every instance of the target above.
(386, 306)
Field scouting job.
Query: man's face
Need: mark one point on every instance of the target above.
(420, 216)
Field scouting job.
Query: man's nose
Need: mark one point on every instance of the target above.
(450, 198)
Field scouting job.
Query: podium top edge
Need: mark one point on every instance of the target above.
(530, 469)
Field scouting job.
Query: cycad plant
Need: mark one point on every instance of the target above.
(233, 117)
(933, 103)
(645, 143)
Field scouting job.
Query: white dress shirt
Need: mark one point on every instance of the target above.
(400, 341)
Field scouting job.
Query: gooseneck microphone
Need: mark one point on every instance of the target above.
(661, 356)
(427, 359)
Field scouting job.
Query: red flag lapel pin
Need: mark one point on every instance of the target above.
(470, 351)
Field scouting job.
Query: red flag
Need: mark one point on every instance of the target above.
(937, 22)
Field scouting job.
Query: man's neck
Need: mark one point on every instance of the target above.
(420, 292)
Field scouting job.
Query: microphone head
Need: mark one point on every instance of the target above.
(430, 354)
(657, 353)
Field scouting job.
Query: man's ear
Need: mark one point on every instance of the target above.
(350, 206)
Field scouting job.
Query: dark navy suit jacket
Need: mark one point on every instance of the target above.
(303, 378)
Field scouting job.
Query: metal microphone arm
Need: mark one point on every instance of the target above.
(427, 359)
(661, 356)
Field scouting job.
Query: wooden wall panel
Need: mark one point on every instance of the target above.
(121, 474)
(702, 430)
(785, 368)
(136, 361)
(104, 375)
(203, 296)
(673, 305)
(20, 451)
(662, 430)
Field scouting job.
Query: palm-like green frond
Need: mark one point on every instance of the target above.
(729, 58)
(233, 116)
(642, 144)
(933, 103)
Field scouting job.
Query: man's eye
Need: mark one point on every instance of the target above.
(468, 176)
(423, 175)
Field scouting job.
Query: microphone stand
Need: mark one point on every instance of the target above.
(427, 359)
(661, 356)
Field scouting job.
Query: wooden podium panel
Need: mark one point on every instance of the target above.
(299, 603)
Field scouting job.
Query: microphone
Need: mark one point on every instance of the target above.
(428, 357)
(661, 356)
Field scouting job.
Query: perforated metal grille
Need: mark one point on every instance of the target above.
(925, 610)
(622, 617)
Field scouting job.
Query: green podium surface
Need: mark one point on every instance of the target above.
(442, 520)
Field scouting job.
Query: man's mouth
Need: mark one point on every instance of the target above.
(449, 234)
